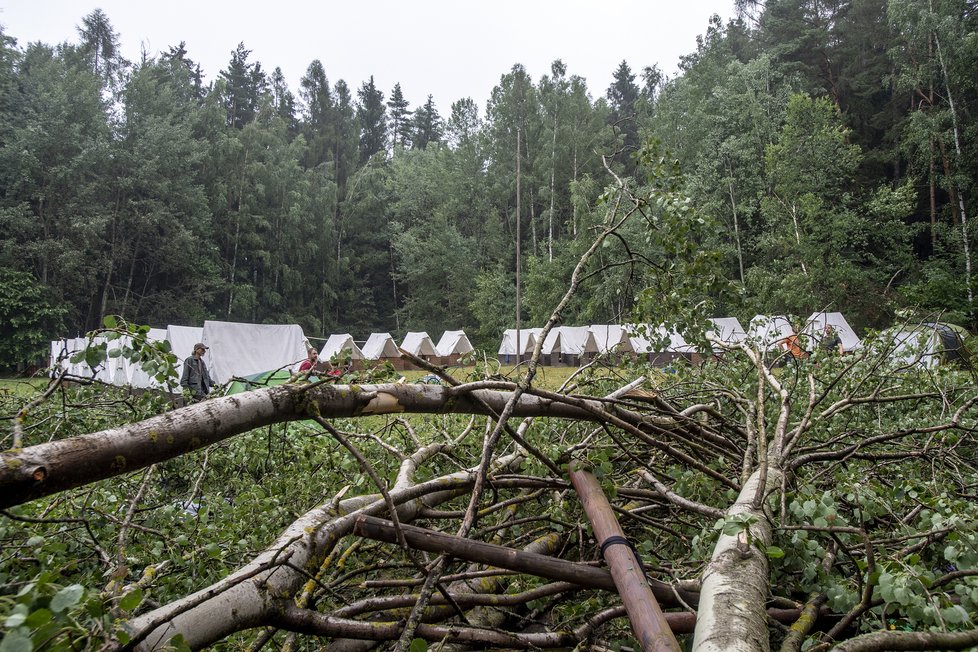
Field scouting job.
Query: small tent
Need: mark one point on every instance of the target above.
(381, 348)
(767, 332)
(911, 346)
(182, 340)
(728, 330)
(340, 346)
(613, 340)
(239, 349)
(568, 346)
(659, 346)
(814, 330)
(452, 346)
(508, 351)
(420, 345)
(258, 381)
(952, 338)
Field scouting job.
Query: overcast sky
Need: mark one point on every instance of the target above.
(448, 48)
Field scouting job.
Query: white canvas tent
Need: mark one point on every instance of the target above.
(452, 346)
(380, 346)
(766, 332)
(568, 345)
(182, 340)
(134, 372)
(644, 341)
(419, 344)
(61, 352)
(728, 330)
(338, 344)
(612, 338)
(906, 347)
(508, 349)
(79, 368)
(237, 349)
(815, 329)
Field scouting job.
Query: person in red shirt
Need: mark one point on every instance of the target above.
(312, 362)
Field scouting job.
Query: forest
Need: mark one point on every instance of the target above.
(809, 155)
(827, 145)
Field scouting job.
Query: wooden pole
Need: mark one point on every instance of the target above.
(480, 552)
(648, 623)
(551, 568)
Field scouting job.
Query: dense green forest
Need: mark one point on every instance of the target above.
(827, 145)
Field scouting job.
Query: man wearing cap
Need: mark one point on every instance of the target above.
(195, 377)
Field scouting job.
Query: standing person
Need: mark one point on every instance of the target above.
(831, 341)
(312, 362)
(195, 377)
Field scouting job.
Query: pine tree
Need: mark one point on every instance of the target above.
(177, 54)
(400, 118)
(622, 96)
(100, 43)
(245, 83)
(317, 113)
(284, 101)
(372, 116)
(427, 125)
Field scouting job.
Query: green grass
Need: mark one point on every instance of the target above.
(22, 386)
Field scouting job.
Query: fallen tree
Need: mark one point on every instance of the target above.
(787, 465)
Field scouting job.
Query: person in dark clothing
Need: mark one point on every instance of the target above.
(831, 342)
(195, 377)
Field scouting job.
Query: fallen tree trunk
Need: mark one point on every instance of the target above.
(51, 467)
(735, 584)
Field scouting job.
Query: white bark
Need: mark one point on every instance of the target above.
(732, 615)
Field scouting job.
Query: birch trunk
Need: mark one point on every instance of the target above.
(732, 616)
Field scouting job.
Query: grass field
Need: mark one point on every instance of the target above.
(547, 378)
(22, 386)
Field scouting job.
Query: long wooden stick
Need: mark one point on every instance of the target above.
(648, 623)
(531, 563)
(588, 577)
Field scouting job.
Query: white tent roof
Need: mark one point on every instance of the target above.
(570, 340)
(64, 349)
(182, 339)
(61, 351)
(454, 342)
(338, 343)
(815, 328)
(766, 331)
(419, 344)
(610, 337)
(728, 330)
(527, 341)
(237, 349)
(642, 335)
(911, 346)
(135, 375)
(380, 345)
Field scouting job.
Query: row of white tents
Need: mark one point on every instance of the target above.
(924, 344)
(574, 345)
(241, 350)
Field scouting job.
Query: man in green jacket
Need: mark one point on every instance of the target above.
(195, 377)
